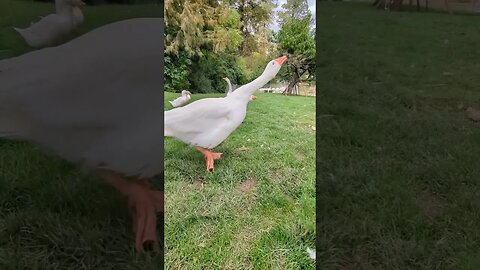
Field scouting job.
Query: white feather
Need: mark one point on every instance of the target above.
(311, 253)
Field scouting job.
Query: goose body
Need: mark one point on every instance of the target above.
(97, 106)
(206, 123)
(91, 104)
(181, 100)
(49, 28)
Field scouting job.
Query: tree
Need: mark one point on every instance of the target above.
(192, 25)
(255, 16)
(297, 40)
(195, 31)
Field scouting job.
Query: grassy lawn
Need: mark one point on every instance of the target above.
(256, 211)
(51, 216)
(398, 168)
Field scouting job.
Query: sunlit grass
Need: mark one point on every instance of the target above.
(257, 210)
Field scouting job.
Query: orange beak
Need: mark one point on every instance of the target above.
(225, 78)
(253, 97)
(280, 60)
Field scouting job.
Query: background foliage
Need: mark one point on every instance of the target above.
(207, 40)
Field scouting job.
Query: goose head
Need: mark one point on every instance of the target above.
(226, 79)
(273, 67)
(186, 93)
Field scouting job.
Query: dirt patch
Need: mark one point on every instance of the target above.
(300, 157)
(248, 186)
(199, 184)
(275, 177)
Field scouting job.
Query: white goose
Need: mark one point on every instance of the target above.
(97, 106)
(77, 12)
(230, 88)
(181, 100)
(44, 32)
(207, 122)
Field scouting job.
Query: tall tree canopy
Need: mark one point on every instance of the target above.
(255, 15)
(193, 25)
(296, 38)
(195, 31)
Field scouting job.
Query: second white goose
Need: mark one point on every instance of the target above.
(181, 100)
(49, 28)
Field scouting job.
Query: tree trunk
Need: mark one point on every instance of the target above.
(293, 83)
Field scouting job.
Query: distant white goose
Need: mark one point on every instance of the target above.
(230, 89)
(207, 122)
(44, 32)
(77, 12)
(181, 100)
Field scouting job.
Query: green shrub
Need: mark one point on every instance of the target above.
(207, 72)
(176, 72)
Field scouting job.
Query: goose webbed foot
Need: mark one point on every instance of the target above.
(144, 204)
(209, 157)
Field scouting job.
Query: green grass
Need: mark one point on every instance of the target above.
(256, 211)
(398, 167)
(51, 216)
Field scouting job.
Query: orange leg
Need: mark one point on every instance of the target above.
(209, 157)
(144, 204)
